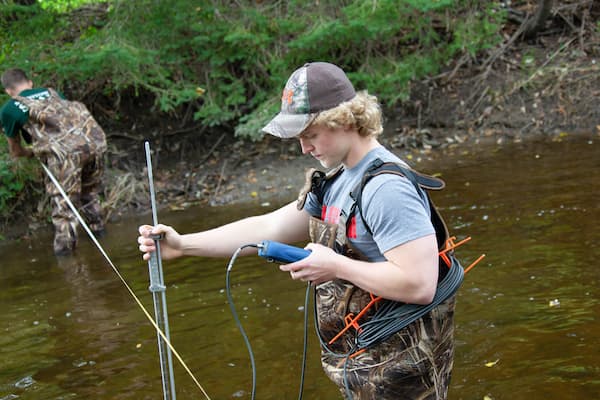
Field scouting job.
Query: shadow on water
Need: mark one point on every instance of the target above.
(526, 320)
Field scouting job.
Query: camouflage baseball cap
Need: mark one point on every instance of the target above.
(312, 88)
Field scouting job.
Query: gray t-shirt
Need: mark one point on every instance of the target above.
(391, 205)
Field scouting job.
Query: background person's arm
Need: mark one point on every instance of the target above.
(16, 149)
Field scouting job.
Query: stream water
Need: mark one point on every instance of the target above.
(526, 319)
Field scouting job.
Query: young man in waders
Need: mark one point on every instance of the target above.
(386, 246)
(68, 141)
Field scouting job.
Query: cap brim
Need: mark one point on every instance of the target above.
(286, 125)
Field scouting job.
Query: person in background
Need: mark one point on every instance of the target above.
(389, 249)
(64, 137)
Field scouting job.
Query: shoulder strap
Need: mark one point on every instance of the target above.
(29, 102)
(378, 167)
(420, 181)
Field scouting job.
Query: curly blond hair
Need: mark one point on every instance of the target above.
(363, 113)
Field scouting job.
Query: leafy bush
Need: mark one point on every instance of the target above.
(9, 184)
(15, 178)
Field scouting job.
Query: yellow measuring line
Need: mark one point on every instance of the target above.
(139, 303)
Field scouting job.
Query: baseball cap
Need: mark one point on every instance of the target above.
(312, 88)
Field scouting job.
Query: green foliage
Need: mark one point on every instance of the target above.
(432, 5)
(10, 185)
(477, 31)
(15, 177)
(385, 45)
(252, 123)
(229, 60)
(62, 5)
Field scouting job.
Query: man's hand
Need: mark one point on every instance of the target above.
(170, 245)
(320, 266)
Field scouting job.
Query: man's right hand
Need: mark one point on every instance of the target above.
(170, 244)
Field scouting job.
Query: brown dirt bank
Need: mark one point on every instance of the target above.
(517, 91)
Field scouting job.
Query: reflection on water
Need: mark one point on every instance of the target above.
(526, 317)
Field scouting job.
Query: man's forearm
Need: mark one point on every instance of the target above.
(286, 224)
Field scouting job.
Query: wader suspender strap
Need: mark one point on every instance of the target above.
(316, 182)
(321, 182)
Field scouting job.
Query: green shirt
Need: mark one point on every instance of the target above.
(14, 115)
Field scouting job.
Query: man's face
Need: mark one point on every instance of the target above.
(329, 146)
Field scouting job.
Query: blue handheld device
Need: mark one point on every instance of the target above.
(280, 252)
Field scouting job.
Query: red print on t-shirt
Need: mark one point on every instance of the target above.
(332, 214)
(351, 231)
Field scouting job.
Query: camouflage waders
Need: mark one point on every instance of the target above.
(80, 175)
(414, 363)
(70, 142)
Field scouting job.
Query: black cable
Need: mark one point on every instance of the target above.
(393, 316)
(237, 319)
(241, 329)
(305, 347)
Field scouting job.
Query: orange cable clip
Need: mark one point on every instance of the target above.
(351, 321)
(474, 263)
(450, 245)
(356, 353)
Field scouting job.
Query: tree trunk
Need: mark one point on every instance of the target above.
(536, 22)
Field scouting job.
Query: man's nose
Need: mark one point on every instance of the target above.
(306, 146)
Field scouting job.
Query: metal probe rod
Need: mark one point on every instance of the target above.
(158, 289)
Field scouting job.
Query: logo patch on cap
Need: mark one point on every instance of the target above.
(295, 94)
